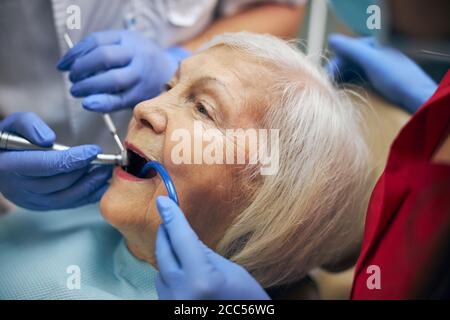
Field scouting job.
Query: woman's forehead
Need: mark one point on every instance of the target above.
(208, 64)
(224, 63)
(240, 76)
(242, 73)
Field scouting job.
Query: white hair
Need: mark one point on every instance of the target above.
(310, 213)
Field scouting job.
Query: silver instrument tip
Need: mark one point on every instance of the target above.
(124, 158)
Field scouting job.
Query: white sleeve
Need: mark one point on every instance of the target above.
(230, 7)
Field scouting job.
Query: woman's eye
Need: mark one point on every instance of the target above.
(201, 108)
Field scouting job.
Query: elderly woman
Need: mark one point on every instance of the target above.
(306, 214)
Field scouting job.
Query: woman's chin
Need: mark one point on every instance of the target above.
(130, 208)
(126, 202)
(140, 254)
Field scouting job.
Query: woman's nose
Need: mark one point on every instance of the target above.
(151, 116)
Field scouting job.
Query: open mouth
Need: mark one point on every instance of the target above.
(135, 164)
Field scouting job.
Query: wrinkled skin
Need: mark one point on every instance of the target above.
(217, 88)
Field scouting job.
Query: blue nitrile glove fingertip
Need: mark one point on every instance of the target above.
(165, 205)
(179, 53)
(335, 38)
(91, 151)
(74, 90)
(61, 66)
(91, 103)
(44, 136)
(80, 156)
(64, 63)
(72, 77)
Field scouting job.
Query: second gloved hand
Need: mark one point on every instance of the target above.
(117, 69)
(396, 77)
(48, 180)
(190, 270)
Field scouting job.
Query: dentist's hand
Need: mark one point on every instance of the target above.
(47, 180)
(190, 270)
(117, 69)
(391, 73)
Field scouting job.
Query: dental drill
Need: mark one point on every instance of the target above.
(9, 141)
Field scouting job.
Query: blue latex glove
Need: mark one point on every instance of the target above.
(117, 69)
(47, 180)
(392, 74)
(190, 270)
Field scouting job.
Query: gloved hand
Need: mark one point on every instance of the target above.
(46, 180)
(190, 270)
(396, 77)
(117, 69)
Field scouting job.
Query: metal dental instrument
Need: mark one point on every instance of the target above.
(9, 141)
(107, 118)
(112, 128)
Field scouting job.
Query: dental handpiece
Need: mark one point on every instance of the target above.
(9, 141)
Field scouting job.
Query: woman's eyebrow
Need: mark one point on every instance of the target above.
(203, 81)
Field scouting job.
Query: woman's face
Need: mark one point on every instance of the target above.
(216, 89)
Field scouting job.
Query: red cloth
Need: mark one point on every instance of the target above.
(409, 207)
